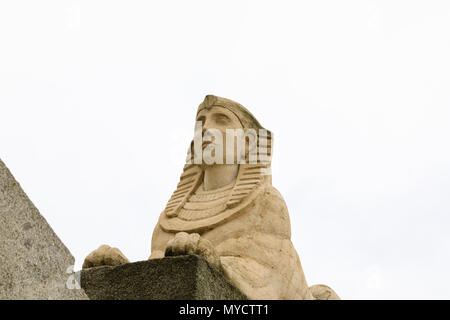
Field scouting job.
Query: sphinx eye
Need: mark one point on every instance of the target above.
(221, 118)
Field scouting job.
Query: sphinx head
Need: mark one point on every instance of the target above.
(225, 133)
(217, 119)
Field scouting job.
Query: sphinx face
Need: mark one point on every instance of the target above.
(216, 123)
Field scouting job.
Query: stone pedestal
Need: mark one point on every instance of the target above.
(34, 263)
(172, 278)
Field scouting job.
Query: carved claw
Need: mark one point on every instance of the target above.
(104, 256)
(184, 244)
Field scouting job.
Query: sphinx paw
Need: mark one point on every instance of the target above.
(182, 244)
(104, 256)
(191, 243)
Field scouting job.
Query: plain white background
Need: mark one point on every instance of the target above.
(97, 107)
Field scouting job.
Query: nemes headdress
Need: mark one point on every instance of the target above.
(249, 178)
(247, 120)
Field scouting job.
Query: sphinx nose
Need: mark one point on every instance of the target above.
(206, 126)
(206, 132)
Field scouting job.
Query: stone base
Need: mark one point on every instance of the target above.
(171, 278)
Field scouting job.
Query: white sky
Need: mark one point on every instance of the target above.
(97, 107)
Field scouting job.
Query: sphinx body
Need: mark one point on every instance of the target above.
(254, 248)
(232, 216)
(242, 228)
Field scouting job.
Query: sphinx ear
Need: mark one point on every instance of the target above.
(251, 146)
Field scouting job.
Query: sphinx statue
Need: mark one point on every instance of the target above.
(225, 209)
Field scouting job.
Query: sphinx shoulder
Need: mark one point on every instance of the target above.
(272, 212)
(271, 199)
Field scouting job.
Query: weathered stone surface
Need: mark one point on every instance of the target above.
(105, 255)
(33, 260)
(187, 277)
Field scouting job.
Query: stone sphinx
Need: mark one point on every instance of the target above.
(229, 212)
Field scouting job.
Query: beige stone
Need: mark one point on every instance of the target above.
(104, 255)
(232, 215)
